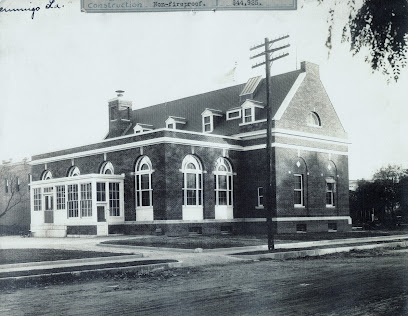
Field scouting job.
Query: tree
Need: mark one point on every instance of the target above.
(381, 197)
(14, 193)
(381, 27)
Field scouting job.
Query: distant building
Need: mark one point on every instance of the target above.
(14, 196)
(353, 185)
(197, 164)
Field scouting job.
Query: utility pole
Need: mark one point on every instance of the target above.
(270, 204)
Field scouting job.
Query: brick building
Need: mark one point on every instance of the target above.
(198, 165)
(14, 197)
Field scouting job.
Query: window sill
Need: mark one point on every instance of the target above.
(260, 207)
(299, 206)
(330, 206)
(315, 126)
(252, 122)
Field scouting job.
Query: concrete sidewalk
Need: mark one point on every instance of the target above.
(135, 258)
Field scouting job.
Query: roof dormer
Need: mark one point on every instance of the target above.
(208, 118)
(140, 128)
(175, 122)
(251, 111)
(250, 88)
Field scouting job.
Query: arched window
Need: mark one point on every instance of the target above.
(193, 181)
(314, 119)
(223, 182)
(73, 171)
(331, 185)
(107, 168)
(143, 182)
(46, 175)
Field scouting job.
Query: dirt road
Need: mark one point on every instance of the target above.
(356, 285)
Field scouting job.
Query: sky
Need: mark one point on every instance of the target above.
(59, 69)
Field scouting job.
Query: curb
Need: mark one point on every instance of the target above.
(91, 272)
(320, 252)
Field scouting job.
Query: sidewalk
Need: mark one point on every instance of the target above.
(148, 258)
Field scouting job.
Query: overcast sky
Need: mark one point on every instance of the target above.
(59, 69)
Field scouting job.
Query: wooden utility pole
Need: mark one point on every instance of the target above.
(269, 202)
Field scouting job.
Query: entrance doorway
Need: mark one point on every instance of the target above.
(101, 213)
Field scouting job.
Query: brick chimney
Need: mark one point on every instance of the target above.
(310, 68)
(119, 115)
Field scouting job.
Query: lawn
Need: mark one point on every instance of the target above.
(8, 256)
(228, 241)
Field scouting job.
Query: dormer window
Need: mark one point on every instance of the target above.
(251, 111)
(248, 115)
(207, 124)
(174, 122)
(209, 119)
(234, 114)
(313, 119)
(141, 128)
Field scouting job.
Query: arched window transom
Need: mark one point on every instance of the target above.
(74, 171)
(107, 168)
(46, 175)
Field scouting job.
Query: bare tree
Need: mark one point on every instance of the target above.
(14, 191)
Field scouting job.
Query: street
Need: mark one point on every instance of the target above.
(358, 284)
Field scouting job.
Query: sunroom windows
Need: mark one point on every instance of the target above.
(76, 199)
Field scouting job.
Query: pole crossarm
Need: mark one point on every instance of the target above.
(279, 57)
(269, 42)
(269, 51)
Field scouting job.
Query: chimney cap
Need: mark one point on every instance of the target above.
(120, 93)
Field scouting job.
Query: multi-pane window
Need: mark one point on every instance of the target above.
(223, 182)
(298, 190)
(207, 126)
(60, 197)
(193, 181)
(248, 115)
(260, 197)
(143, 178)
(114, 201)
(37, 199)
(235, 114)
(86, 199)
(73, 200)
(100, 192)
(330, 191)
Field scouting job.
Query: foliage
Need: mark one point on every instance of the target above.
(17, 191)
(379, 26)
(382, 197)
